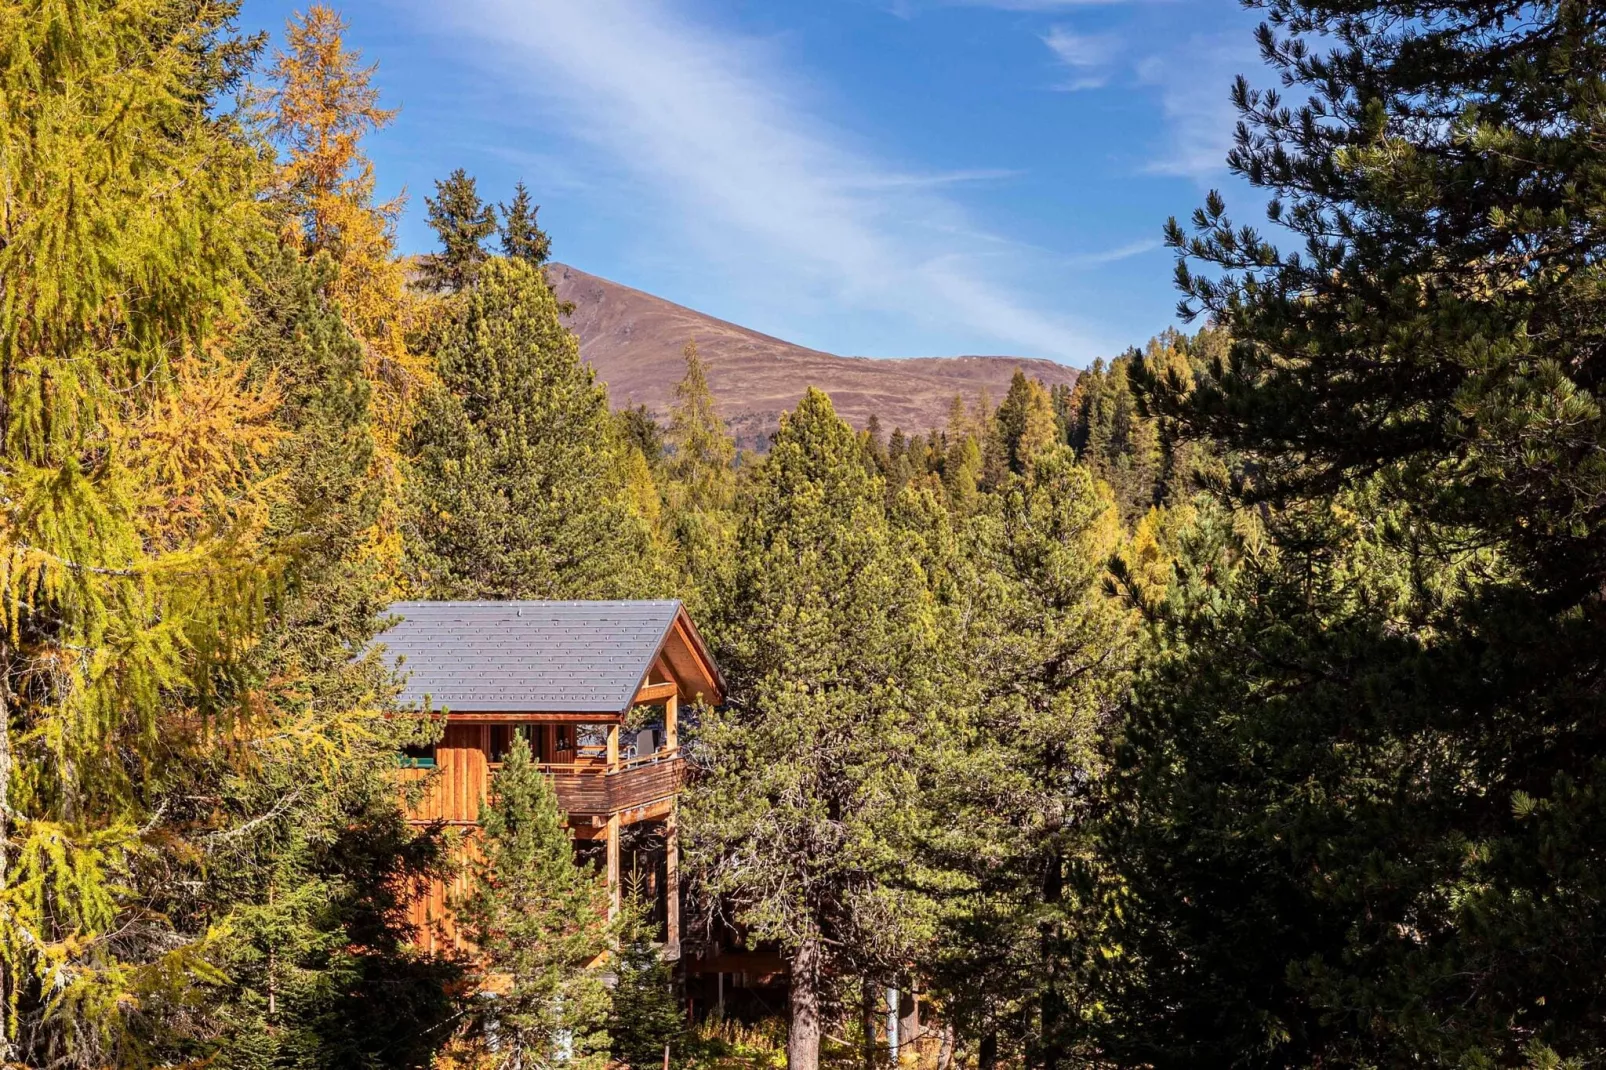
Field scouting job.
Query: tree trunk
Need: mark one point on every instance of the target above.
(867, 993)
(803, 1036)
(909, 1029)
(945, 1054)
(1052, 1005)
(987, 1056)
(8, 1050)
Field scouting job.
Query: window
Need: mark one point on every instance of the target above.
(418, 756)
(503, 735)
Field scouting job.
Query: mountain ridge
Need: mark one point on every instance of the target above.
(633, 341)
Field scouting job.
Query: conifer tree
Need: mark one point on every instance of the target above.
(539, 918)
(313, 876)
(646, 1019)
(1360, 779)
(799, 819)
(1026, 423)
(134, 560)
(522, 487)
(700, 484)
(1038, 661)
(462, 222)
(320, 106)
(703, 454)
(522, 236)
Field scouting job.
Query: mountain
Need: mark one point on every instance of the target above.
(634, 342)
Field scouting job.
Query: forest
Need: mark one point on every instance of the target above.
(1242, 706)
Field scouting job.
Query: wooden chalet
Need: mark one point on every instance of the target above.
(570, 678)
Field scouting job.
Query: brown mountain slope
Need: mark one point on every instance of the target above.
(634, 342)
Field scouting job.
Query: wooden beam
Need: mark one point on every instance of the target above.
(657, 692)
(672, 879)
(672, 722)
(613, 746)
(614, 889)
(532, 718)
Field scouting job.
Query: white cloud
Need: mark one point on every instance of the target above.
(1193, 82)
(1089, 55)
(1110, 256)
(707, 122)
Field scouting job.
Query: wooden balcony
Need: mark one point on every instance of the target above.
(591, 789)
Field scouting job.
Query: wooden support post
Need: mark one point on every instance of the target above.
(672, 881)
(615, 891)
(613, 746)
(672, 722)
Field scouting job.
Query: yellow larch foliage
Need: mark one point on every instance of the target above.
(322, 104)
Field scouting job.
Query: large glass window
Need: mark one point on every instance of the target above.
(503, 735)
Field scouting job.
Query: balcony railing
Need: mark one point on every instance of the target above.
(585, 789)
(592, 789)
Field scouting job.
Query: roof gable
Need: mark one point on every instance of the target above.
(526, 657)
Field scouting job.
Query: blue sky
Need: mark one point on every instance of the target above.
(868, 177)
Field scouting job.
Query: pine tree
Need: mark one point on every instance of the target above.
(522, 236)
(810, 770)
(313, 876)
(539, 919)
(1361, 778)
(1038, 657)
(462, 222)
(522, 487)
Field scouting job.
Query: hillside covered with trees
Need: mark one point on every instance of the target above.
(1241, 706)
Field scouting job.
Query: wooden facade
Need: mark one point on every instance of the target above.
(606, 789)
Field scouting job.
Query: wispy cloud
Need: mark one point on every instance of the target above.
(1193, 83)
(1111, 256)
(707, 122)
(1090, 56)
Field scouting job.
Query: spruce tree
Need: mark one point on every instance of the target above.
(522, 237)
(1360, 780)
(538, 918)
(646, 1020)
(1026, 424)
(462, 223)
(522, 487)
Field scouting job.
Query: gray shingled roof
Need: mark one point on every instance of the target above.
(526, 657)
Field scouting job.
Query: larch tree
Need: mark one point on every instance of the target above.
(463, 224)
(1026, 424)
(702, 455)
(810, 781)
(134, 556)
(320, 103)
